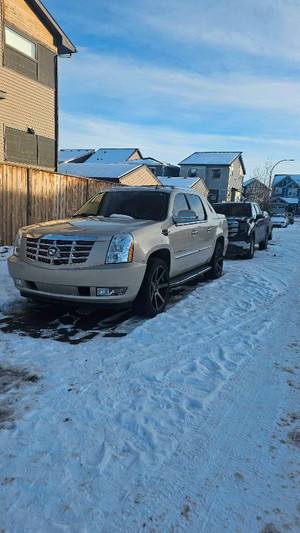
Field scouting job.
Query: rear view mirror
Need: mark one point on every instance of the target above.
(184, 216)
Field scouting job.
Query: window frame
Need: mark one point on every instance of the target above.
(212, 170)
(24, 36)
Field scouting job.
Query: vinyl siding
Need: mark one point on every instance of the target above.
(138, 177)
(134, 156)
(235, 180)
(201, 188)
(19, 14)
(28, 103)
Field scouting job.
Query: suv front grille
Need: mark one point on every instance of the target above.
(59, 250)
(233, 228)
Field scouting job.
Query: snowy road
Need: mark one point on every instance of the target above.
(190, 422)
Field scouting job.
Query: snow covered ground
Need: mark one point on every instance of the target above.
(190, 422)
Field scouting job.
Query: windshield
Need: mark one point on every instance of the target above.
(233, 210)
(145, 205)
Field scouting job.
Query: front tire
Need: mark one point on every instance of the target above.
(216, 262)
(153, 295)
(263, 245)
(250, 253)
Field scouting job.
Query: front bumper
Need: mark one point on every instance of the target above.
(237, 248)
(69, 285)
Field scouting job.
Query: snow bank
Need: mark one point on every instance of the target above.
(8, 293)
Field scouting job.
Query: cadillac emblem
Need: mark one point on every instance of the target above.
(53, 251)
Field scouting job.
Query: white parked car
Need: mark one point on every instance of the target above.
(279, 221)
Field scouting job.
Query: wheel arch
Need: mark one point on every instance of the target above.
(162, 253)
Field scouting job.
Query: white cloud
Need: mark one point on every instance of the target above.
(152, 90)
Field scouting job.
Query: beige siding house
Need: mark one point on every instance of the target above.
(122, 173)
(197, 184)
(222, 172)
(30, 43)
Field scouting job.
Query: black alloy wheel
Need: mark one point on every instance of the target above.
(216, 262)
(154, 291)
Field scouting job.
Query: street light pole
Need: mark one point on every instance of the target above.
(270, 177)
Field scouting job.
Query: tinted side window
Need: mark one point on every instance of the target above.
(196, 205)
(180, 203)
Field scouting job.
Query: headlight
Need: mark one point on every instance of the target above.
(17, 244)
(120, 249)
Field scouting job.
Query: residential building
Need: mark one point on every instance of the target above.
(122, 173)
(222, 172)
(114, 155)
(197, 184)
(286, 192)
(256, 191)
(31, 42)
(159, 168)
(76, 155)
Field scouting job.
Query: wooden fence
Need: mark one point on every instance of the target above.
(29, 195)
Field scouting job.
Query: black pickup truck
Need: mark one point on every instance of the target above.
(247, 226)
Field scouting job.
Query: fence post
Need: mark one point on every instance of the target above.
(28, 191)
(87, 190)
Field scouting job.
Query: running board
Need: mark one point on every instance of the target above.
(179, 280)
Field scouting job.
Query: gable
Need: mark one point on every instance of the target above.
(19, 14)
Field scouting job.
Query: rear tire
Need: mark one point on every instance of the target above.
(270, 236)
(250, 253)
(216, 263)
(153, 294)
(263, 245)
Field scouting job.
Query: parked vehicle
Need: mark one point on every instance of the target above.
(269, 224)
(290, 217)
(125, 245)
(247, 226)
(279, 220)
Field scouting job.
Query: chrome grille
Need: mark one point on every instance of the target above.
(233, 228)
(59, 250)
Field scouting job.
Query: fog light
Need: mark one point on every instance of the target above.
(19, 282)
(110, 291)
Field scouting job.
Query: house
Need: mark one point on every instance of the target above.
(76, 155)
(222, 172)
(286, 192)
(112, 172)
(114, 155)
(31, 42)
(256, 191)
(197, 184)
(159, 168)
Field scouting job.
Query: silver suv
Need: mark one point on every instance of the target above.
(125, 245)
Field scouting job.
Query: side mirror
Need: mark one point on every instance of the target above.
(259, 216)
(185, 216)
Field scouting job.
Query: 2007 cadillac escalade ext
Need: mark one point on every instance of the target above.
(127, 244)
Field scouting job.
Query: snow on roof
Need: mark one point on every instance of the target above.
(96, 170)
(210, 158)
(247, 182)
(279, 177)
(290, 200)
(111, 155)
(66, 154)
(184, 183)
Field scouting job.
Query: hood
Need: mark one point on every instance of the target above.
(100, 227)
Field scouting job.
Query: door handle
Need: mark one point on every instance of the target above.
(194, 232)
(208, 229)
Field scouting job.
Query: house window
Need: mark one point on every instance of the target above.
(215, 172)
(30, 59)
(213, 196)
(192, 172)
(20, 43)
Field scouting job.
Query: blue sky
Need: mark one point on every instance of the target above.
(173, 77)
